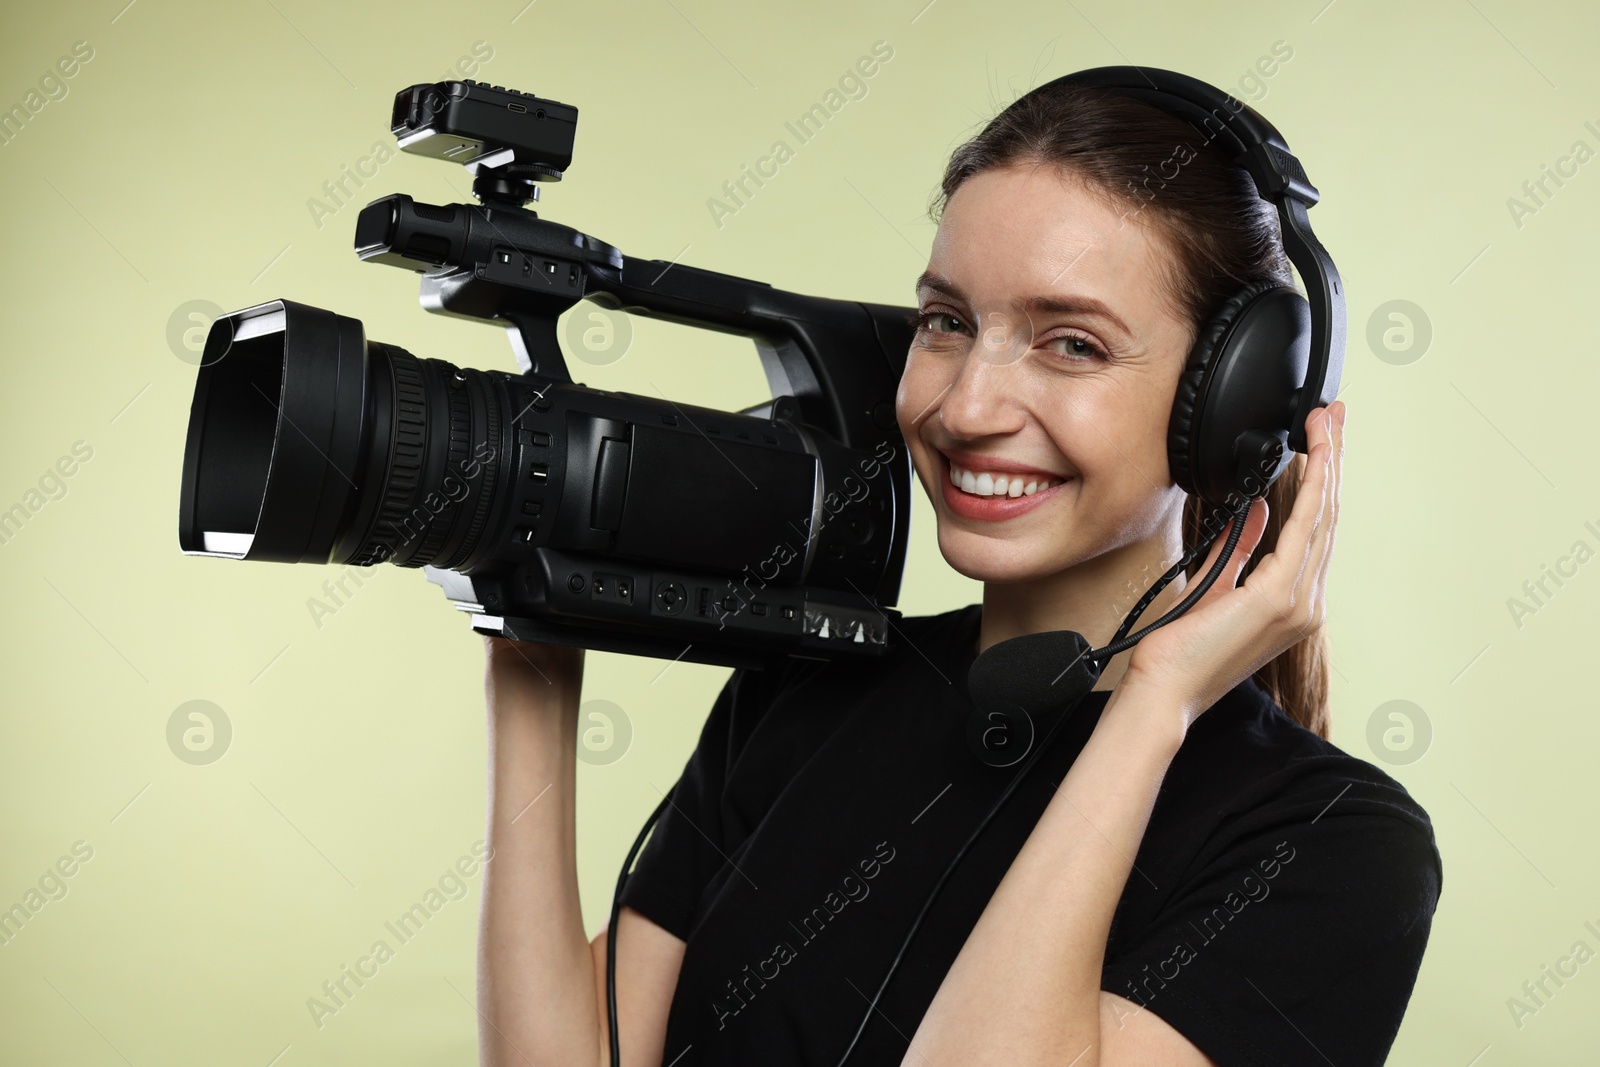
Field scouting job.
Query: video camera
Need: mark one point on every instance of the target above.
(547, 510)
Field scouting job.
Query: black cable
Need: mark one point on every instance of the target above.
(934, 892)
(1109, 650)
(1198, 549)
(1195, 551)
(611, 928)
(1101, 655)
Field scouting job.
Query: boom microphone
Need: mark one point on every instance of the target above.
(1018, 680)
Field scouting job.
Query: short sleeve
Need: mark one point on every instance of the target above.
(1292, 946)
(688, 844)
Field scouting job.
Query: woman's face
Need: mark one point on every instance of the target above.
(1048, 354)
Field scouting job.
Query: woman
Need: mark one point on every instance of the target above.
(1192, 875)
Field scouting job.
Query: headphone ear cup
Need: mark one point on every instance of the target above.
(1244, 368)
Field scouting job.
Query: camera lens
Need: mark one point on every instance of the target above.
(309, 444)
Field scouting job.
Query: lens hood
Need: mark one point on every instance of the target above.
(270, 466)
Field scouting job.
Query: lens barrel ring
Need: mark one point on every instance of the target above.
(457, 444)
(410, 437)
(488, 476)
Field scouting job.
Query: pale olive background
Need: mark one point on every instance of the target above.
(178, 167)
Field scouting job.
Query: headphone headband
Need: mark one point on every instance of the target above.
(1253, 143)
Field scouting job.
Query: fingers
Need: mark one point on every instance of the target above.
(1316, 589)
(1289, 581)
(1296, 539)
(1306, 537)
(1336, 480)
(1286, 580)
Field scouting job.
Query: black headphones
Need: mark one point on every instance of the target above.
(1253, 374)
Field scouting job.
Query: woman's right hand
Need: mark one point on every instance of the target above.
(536, 968)
(541, 978)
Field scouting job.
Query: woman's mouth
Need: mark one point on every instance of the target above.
(974, 493)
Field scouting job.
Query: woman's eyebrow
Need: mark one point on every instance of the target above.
(1033, 305)
(1073, 305)
(938, 282)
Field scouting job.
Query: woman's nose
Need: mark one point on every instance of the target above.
(982, 400)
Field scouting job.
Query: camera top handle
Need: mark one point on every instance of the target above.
(499, 260)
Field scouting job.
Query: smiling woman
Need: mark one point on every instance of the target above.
(1061, 309)
(1112, 908)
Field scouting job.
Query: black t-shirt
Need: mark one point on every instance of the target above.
(1277, 913)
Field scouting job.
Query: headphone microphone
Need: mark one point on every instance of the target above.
(1047, 673)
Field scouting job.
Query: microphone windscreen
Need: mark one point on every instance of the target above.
(1043, 672)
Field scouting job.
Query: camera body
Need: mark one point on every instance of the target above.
(545, 509)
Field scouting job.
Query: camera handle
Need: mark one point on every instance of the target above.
(498, 262)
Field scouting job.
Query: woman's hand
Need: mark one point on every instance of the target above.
(536, 965)
(1233, 630)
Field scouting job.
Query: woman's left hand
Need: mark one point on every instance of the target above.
(1233, 630)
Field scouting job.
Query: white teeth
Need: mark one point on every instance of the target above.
(986, 483)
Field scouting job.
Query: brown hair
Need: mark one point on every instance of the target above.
(1141, 161)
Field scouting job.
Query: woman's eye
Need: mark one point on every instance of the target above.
(1077, 347)
(937, 322)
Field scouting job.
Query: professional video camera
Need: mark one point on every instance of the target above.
(548, 510)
